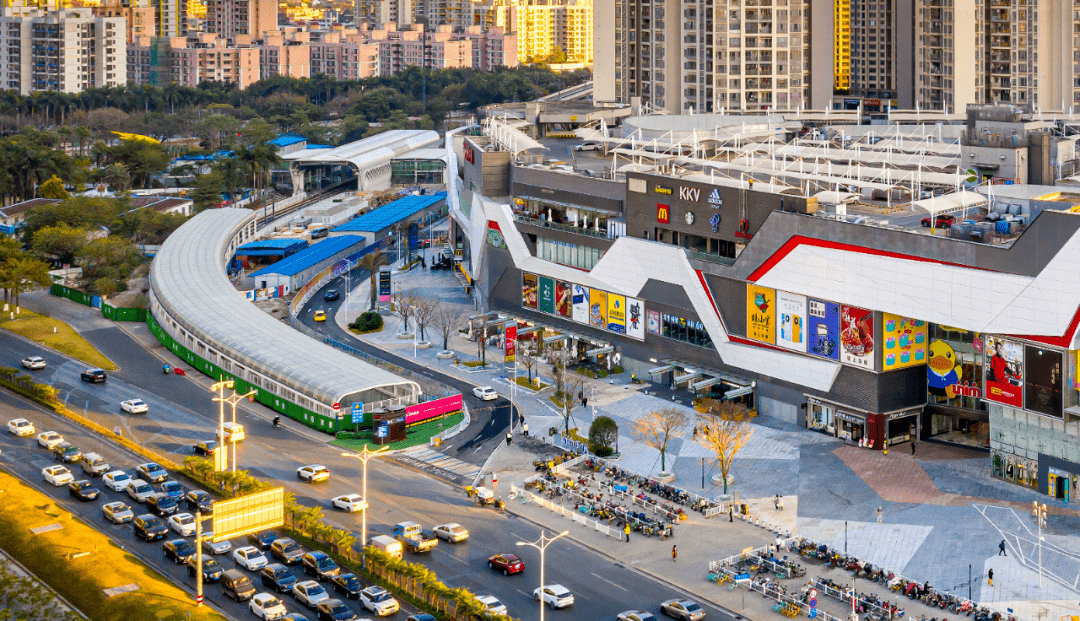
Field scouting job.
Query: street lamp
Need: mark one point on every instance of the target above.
(364, 456)
(232, 400)
(541, 544)
(1039, 511)
(219, 462)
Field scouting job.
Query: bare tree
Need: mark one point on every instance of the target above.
(478, 328)
(574, 384)
(405, 306)
(724, 438)
(446, 318)
(560, 359)
(425, 309)
(658, 427)
(526, 355)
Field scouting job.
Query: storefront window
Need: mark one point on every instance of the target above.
(1015, 469)
(820, 417)
(954, 370)
(688, 331)
(565, 253)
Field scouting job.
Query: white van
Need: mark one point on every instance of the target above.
(387, 544)
(234, 432)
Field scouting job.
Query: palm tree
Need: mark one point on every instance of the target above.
(117, 176)
(372, 262)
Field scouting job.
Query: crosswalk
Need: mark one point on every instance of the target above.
(433, 461)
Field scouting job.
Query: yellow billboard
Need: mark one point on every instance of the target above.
(905, 342)
(598, 309)
(761, 313)
(616, 313)
(248, 514)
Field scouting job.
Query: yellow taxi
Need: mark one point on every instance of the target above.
(320, 316)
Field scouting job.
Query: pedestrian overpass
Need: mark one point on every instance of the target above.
(368, 160)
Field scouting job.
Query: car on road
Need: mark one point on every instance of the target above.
(335, 610)
(250, 558)
(20, 427)
(83, 490)
(200, 501)
(94, 376)
(313, 473)
(319, 565)
(331, 295)
(152, 472)
(278, 577)
(286, 551)
(237, 585)
(204, 448)
(310, 593)
(234, 432)
(507, 564)
(349, 503)
(183, 524)
(94, 464)
(492, 605)
(117, 512)
(173, 490)
(943, 221)
(485, 393)
(682, 609)
(139, 490)
(267, 607)
(178, 550)
(423, 616)
(150, 527)
(377, 600)
(66, 452)
(220, 547)
(134, 406)
(161, 505)
(34, 363)
(57, 475)
(262, 539)
(116, 480)
(49, 439)
(320, 315)
(348, 585)
(296, 616)
(554, 595)
(636, 615)
(452, 532)
(211, 569)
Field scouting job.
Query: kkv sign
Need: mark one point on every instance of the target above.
(689, 194)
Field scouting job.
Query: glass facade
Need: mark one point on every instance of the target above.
(567, 254)
(687, 331)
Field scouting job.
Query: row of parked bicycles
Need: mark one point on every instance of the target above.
(650, 487)
(601, 508)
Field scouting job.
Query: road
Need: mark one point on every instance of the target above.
(602, 588)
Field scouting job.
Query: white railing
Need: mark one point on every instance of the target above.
(573, 515)
(563, 468)
(716, 510)
(445, 434)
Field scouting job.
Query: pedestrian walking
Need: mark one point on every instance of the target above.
(913, 448)
(776, 501)
(674, 554)
(780, 502)
(990, 577)
(731, 513)
(525, 429)
(1001, 548)
(627, 531)
(879, 515)
(509, 438)
(584, 402)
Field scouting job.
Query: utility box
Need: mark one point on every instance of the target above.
(389, 425)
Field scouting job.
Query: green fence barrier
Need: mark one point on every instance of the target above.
(124, 314)
(72, 294)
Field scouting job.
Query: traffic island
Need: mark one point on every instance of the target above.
(415, 435)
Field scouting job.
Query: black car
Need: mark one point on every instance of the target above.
(348, 585)
(331, 295)
(205, 448)
(262, 540)
(319, 565)
(296, 616)
(93, 376)
(161, 505)
(83, 490)
(199, 501)
(335, 610)
(66, 452)
(211, 569)
(278, 577)
(286, 550)
(178, 550)
(150, 527)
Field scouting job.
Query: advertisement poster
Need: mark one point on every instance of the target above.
(654, 322)
(616, 313)
(495, 236)
(598, 309)
(511, 341)
(635, 318)
(580, 304)
(823, 329)
(1004, 368)
(385, 288)
(546, 295)
(761, 313)
(528, 290)
(1043, 379)
(562, 299)
(953, 370)
(791, 321)
(857, 336)
(905, 342)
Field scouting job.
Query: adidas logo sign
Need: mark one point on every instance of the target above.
(714, 198)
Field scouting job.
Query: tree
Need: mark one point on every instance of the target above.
(207, 191)
(478, 330)
(602, 434)
(61, 241)
(426, 309)
(575, 385)
(658, 427)
(560, 360)
(24, 274)
(405, 306)
(372, 262)
(116, 176)
(53, 188)
(527, 355)
(445, 320)
(724, 438)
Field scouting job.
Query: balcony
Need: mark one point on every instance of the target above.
(524, 218)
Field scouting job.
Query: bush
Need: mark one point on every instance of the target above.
(601, 373)
(368, 322)
(615, 370)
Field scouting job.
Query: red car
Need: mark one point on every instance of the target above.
(940, 222)
(507, 564)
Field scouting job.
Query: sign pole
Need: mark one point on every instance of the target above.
(198, 560)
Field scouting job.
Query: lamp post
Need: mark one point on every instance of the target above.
(541, 544)
(232, 400)
(219, 463)
(364, 456)
(1039, 511)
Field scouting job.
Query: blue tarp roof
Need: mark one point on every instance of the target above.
(284, 141)
(389, 215)
(293, 265)
(271, 247)
(320, 146)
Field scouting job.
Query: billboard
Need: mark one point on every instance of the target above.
(598, 308)
(1043, 379)
(616, 313)
(635, 318)
(546, 295)
(579, 303)
(248, 514)
(905, 342)
(385, 287)
(791, 321)
(528, 290)
(761, 313)
(653, 322)
(419, 412)
(1004, 369)
(857, 336)
(562, 299)
(510, 341)
(823, 329)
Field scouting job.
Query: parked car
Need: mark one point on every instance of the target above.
(452, 532)
(152, 472)
(377, 600)
(313, 473)
(220, 547)
(178, 550)
(200, 501)
(49, 439)
(943, 221)
(161, 505)
(183, 524)
(286, 550)
(278, 577)
(485, 393)
(94, 376)
(349, 503)
(250, 558)
(139, 490)
(83, 490)
(94, 464)
(310, 593)
(205, 448)
(682, 609)
(335, 610)
(554, 595)
(34, 363)
(211, 569)
(319, 565)
(117, 512)
(262, 539)
(507, 564)
(57, 475)
(267, 607)
(116, 480)
(66, 452)
(20, 427)
(150, 527)
(348, 585)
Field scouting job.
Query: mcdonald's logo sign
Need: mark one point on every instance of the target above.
(663, 213)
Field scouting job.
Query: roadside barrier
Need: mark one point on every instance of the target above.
(576, 516)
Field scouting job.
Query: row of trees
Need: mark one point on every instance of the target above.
(19, 270)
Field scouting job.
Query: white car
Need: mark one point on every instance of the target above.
(250, 558)
(349, 503)
(452, 532)
(266, 606)
(636, 615)
(221, 547)
(134, 406)
(118, 512)
(554, 595)
(57, 475)
(183, 524)
(492, 604)
(21, 427)
(313, 473)
(49, 439)
(682, 609)
(34, 363)
(116, 480)
(378, 601)
(485, 393)
(139, 490)
(310, 593)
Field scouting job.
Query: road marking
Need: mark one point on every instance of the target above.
(478, 448)
(617, 586)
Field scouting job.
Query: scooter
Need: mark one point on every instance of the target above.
(277, 422)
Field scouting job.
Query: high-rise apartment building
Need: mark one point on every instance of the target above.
(442, 49)
(376, 14)
(171, 18)
(65, 50)
(492, 48)
(841, 45)
(880, 53)
(231, 18)
(138, 16)
(544, 27)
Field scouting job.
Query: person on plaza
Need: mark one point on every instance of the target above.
(525, 429)
(674, 554)
(731, 513)
(990, 577)
(627, 531)
(776, 501)
(509, 438)
(780, 503)
(913, 448)
(1001, 548)
(879, 515)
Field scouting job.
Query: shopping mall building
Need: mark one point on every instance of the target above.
(753, 287)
